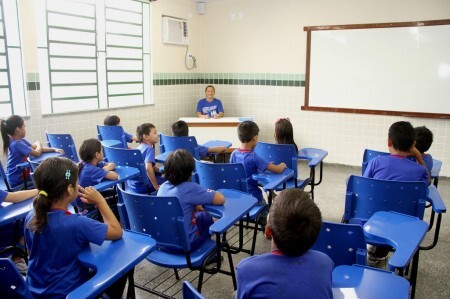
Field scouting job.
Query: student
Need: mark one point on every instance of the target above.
(248, 135)
(8, 230)
(148, 137)
(54, 236)
(18, 149)
(424, 139)
(114, 120)
(210, 107)
(396, 166)
(180, 128)
(92, 170)
(178, 169)
(291, 270)
(284, 132)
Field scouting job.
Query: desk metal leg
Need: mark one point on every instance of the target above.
(414, 271)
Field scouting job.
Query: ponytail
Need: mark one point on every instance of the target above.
(42, 205)
(8, 127)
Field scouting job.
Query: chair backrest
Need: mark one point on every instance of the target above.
(3, 181)
(221, 176)
(12, 284)
(112, 133)
(172, 143)
(160, 217)
(278, 153)
(189, 292)
(345, 244)
(369, 155)
(365, 196)
(65, 142)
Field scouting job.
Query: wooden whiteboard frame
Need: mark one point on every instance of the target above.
(308, 29)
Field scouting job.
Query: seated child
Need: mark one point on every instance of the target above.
(178, 168)
(180, 128)
(248, 135)
(291, 270)
(424, 139)
(9, 237)
(114, 120)
(148, 137)
(92, 170)
(284, 132)
(18, 149)
(54, 236)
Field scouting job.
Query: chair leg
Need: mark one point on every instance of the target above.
(233, 275)
(200, 281)
(176, 274)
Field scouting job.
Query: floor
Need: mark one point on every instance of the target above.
(434, 265)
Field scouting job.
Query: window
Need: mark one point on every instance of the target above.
(12, 82)
(93, 54)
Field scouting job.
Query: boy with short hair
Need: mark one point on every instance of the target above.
(291, 270)
(248, 135)
(180, 128)
(396, 167)
(424, 139)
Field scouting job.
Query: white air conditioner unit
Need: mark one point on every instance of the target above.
(174, 31)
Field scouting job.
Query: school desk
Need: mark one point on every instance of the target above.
(10, 212)
(223, 128)
(270, 180)
(315, 157)
(402, 232)
(124, 173)
(112, 260)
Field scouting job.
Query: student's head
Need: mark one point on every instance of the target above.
(146, 133)
(111, 120)
(247, 130)
(210, 91)
(56, 178)
(424, 138)
(91, 149)
(179, 166)
(180, 128)
(284, 132)
(295, 222)
(402, 136)
(9, 127)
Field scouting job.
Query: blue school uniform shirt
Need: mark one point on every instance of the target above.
(18, 152)
(252, 164)
(210, 108)
(395, 168)
(202, 151)
(3, 195)
(90, 175)
(428, 160)
(148, 153)
(277, 276)
(190, 195)
(128, 137)
(53, 267)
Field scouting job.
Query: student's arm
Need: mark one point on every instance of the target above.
(52, 150)
(109, 166)
(111, 175)
(276, 168)
(416, 154)
(199, 114)
(217, 149)
(19, 196)
(218, 199)
(135, 139)
(151, 175)
(36, 149)
(221, 114)
(91, 196)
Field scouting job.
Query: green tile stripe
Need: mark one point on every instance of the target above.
(268, 79)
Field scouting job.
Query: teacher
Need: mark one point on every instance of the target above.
(210, 107)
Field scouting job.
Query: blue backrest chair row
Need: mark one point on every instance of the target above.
(172, 143)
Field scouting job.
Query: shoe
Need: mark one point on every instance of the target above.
(376, 262)
(21, 265)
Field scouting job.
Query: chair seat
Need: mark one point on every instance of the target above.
(173, 260)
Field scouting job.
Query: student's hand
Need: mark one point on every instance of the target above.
(109, 166)
(283, 165)
(59, 150)
(216, 116)
(90, 195)
(205, 116)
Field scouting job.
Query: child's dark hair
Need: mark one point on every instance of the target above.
(52, 178)
(424, 138)
(402, 135)
(295, 221)
(8, 127)
(180, 128)
(247, 130)
(144, 129)
(88, 149)
(111, 120)
(209, 87)
(179, 166)
(284, 132)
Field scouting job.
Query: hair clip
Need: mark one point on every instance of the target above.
(67, 174)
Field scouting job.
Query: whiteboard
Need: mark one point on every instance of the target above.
(403, 69)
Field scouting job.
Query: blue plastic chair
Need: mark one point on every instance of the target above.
(189, 292)
(228, 176)
(172, 143)
(345, 244)
(282, 153)
(65, 142)
(12, 284)
(3, 181)
(4, 185)
(163, 219)
(114, 134)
